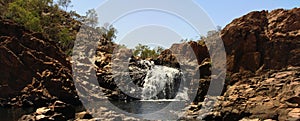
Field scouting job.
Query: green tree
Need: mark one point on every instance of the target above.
(159, 49)
(66, 40)
(108, 32)
(145, 51)
(91, 18)
(27, 13)
(64, 3)
(45, 17)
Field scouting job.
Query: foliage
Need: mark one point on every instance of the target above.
(64, 3)
(186, 40)
(27, 13)
(210, 35)
(91, 18)
(4, 6)
(45, 17)
(58, 25)
(108, 32)
(66, 40)
(122, 46)
(145, 51)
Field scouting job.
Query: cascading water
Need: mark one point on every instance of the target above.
(159, 88)
(161, 82)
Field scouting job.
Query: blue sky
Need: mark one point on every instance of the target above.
(221, 12)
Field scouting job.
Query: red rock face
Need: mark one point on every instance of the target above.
(32, 67)
(267, 44)
(269, 39)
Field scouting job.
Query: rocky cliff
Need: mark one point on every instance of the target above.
(34, 71)
(263, 59)
(263, 55)
(263, 39)
(260, 40)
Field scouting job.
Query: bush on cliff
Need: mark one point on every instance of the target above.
(45, 17)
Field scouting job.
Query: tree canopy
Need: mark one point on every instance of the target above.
(64, 3)
(145, 51)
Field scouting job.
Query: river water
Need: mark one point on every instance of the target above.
(142, 107)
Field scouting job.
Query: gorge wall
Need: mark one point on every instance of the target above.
(34, 70)
(268, 39)
(263, 53)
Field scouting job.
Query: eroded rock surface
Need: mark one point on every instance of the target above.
(268, 39)
(34, 71)
(263, 69)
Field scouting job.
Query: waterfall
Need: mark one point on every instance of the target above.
(161, 82)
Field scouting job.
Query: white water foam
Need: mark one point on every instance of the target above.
(161, 84)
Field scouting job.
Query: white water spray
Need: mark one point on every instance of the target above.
(162, 83)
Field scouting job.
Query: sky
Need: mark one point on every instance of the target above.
(221, 11)
(154, 25)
